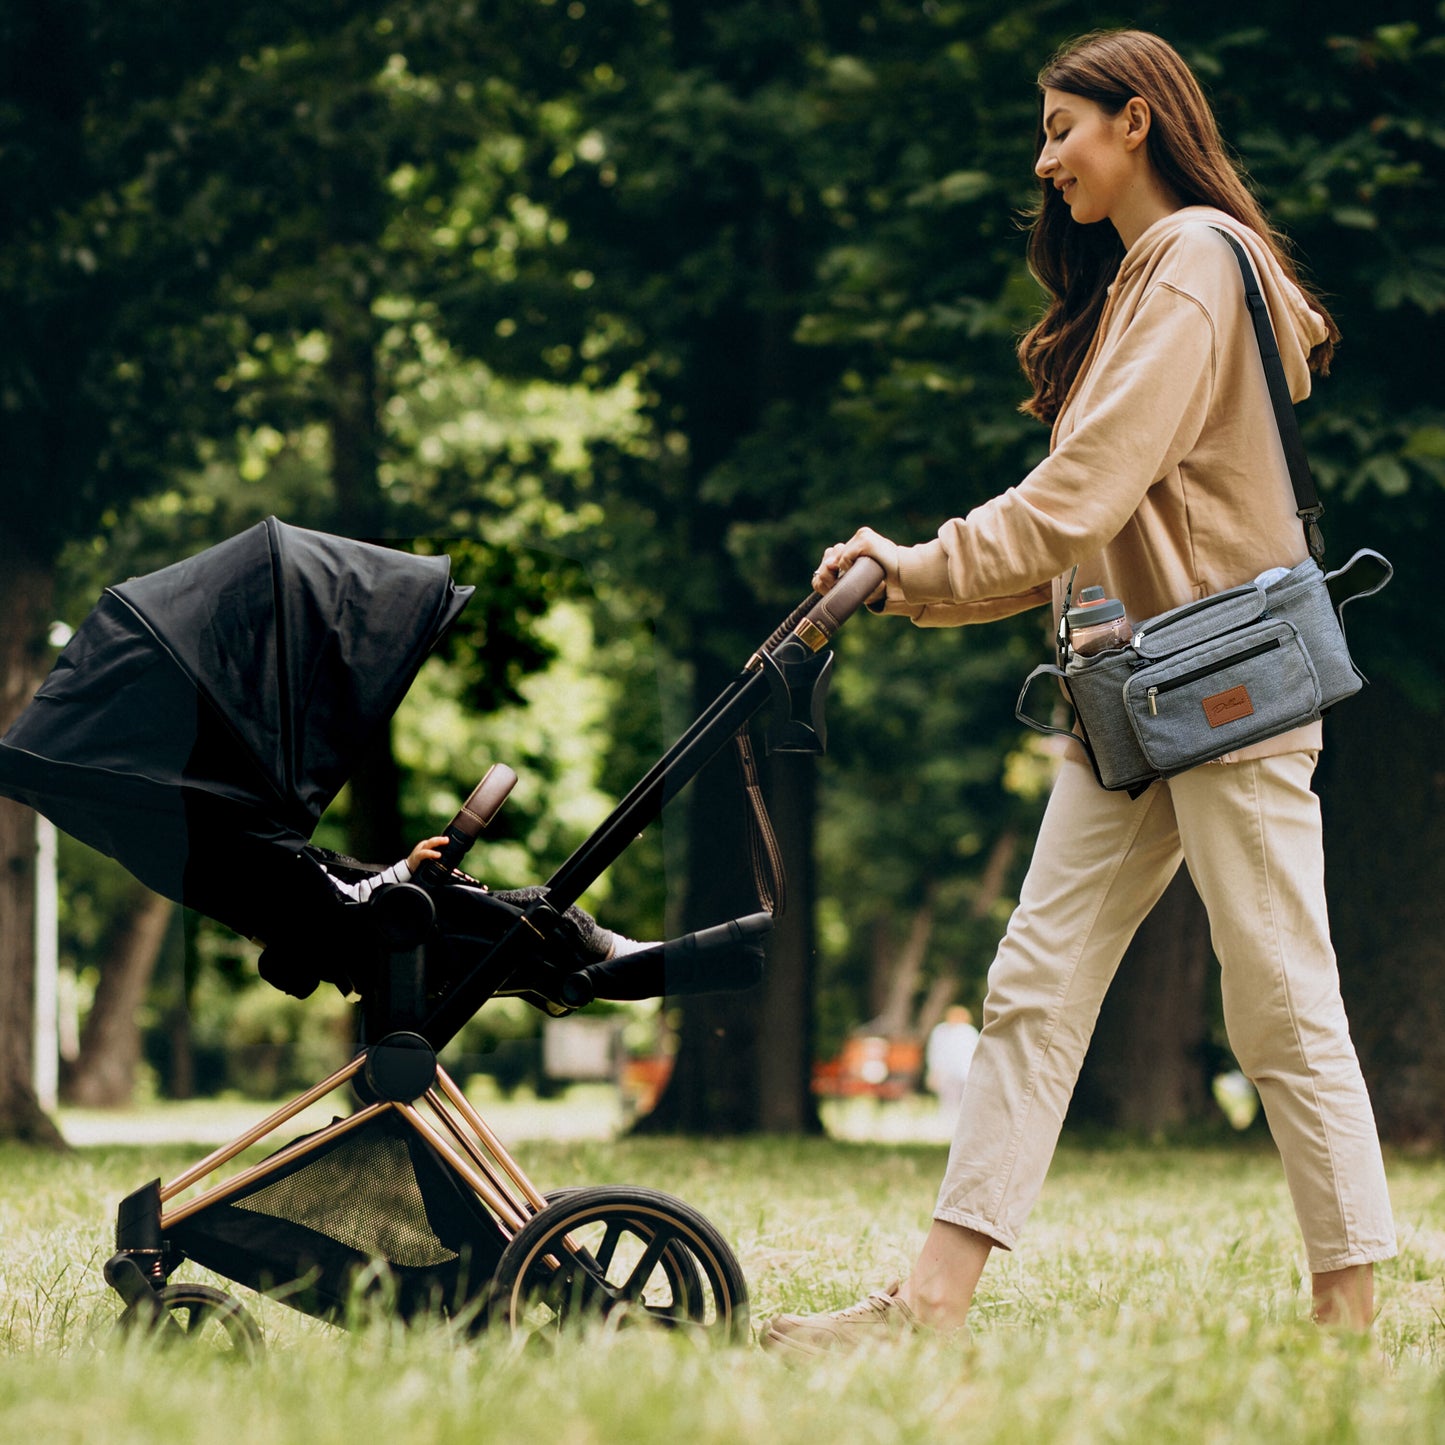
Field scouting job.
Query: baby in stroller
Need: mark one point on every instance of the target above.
(592, 961)
(358, 882)
(598, 943)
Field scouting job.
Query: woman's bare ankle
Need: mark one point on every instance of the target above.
(1345, 1298)
(940, 1289)
(932, 1306)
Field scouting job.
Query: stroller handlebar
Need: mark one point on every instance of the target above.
(847, 595)
(807, 630)
(479, 809)
(815, 620)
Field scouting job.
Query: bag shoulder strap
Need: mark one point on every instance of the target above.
(1307, 502)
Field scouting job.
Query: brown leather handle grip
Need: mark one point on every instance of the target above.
(848, 594)
(485, 801)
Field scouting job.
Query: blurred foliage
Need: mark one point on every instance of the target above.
(632, 307)
(795, 230)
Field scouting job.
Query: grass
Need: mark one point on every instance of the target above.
(1158, 1297)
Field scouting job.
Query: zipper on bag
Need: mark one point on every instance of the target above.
(1185, 678)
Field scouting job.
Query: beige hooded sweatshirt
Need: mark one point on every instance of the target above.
(1166, 480)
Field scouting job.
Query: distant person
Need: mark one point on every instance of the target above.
(947, 1058)
(1165, 482)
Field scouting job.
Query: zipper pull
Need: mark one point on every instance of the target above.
(1153, 696)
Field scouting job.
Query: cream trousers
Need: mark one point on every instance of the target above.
(1250, 834)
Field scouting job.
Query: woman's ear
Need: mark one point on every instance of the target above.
(1138, 117)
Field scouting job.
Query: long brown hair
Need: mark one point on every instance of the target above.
(1075, 262)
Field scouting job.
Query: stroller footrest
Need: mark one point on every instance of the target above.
(725, 958)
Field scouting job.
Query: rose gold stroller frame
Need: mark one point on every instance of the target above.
(680, 1271)
(464, 1141)
(440, 1115)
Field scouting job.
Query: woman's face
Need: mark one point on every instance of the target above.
(1086, 155)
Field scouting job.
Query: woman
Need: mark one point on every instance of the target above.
(1165, 482)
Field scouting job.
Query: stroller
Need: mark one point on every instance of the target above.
(195, 728)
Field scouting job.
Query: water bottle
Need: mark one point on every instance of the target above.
(1097, 623)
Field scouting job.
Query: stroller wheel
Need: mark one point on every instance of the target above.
(194, 1315)
(678, 1281)
(624, 1257)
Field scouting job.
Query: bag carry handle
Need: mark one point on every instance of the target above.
(1047, 669)
(1044, 669)
(1021, 712)
(1373, 572)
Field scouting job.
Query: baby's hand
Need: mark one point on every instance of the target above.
(424, 852)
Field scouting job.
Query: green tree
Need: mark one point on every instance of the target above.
(719, 196)
(1341, 143)
(779, 244)
(198, 236)
(1356, 156)
(99, 370)
(898, 142)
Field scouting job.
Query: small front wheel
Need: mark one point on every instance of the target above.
(625, 1257)
(194, 1315)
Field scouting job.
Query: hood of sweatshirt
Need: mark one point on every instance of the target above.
(1298, 328)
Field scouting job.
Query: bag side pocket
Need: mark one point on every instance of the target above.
(1095, 685)
(1303, 598)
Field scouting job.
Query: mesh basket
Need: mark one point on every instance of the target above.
(377, 1195)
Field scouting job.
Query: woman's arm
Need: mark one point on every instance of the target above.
(1144, 414)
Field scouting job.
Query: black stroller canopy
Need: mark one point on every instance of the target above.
(204, 716)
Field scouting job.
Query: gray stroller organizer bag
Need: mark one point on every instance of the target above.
(1218, 674)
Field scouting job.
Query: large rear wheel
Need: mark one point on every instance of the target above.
(623, 1256)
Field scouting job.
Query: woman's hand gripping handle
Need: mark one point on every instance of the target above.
(841, 557)
(844, 592)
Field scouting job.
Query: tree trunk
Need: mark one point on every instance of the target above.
(744, 1060)
(897, 971)
(941, 993)
(785, 1021)
(944, 987)
(714, 1087)
(1382, 788)
(180, 1079)
(1147, 1068)
(373, 817)
(374, 824)
(26, 589)
(103, 1076)
(351, 376)
(995, 872)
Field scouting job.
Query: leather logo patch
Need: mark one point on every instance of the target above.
(1227, 707)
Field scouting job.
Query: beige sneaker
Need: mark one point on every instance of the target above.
(875, 1320)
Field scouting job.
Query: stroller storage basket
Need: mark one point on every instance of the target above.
(376, 1194)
